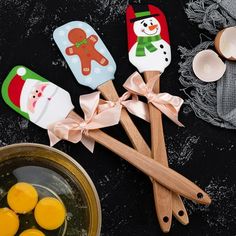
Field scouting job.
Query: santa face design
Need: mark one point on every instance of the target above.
(44, 101)
(36, 95)
(35, 98)
(147, 27)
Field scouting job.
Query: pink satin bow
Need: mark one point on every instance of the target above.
(165, 102)
(133, 105)
(77, 129)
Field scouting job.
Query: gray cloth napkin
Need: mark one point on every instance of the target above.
(226, 95)
(213, 102)
(212, 15)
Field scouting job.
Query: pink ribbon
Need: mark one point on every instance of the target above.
(77, 129)
(165, 102)
(133, 105)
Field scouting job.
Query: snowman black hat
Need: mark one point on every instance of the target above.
(141, 12)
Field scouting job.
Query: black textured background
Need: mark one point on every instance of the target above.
(203, 153)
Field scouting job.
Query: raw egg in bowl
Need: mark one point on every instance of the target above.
(35, 179)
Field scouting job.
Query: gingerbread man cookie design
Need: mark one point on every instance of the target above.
(85, 49)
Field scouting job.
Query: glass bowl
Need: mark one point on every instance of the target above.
(52, 173)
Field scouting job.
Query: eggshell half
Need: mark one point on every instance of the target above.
(225, 43)
(207, 66)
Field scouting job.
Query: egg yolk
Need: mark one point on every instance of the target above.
(32, 232)
(22, 198)
(50, 213)
(9, 222)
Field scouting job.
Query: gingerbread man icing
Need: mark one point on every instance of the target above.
(85, 49)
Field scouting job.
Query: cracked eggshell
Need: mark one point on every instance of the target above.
(225, 43)
(207, 66)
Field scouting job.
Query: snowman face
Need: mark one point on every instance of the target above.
(147, 27)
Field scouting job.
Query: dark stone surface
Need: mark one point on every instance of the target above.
(203, 153)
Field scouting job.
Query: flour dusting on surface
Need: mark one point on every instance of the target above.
(36, 17)
(180, 148)
(108, 11)
(60, 62)
(220, 215)
(23, 123)
(14, 129)
(2, 144)
(126, 194)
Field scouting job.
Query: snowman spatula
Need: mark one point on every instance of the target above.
(93, 66)
(149, 52)
(50, 107)
(84, 52)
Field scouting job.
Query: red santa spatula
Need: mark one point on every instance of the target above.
(50, 107)
(149, 52)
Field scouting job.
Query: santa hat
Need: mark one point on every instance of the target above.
(19, 89)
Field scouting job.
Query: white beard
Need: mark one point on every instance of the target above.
(50, 90)
(49, 111)
(152, 61)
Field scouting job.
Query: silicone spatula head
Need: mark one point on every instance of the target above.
(85, 53)
(148, 38)
(35, 98)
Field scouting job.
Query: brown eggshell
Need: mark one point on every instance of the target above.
(225, 43)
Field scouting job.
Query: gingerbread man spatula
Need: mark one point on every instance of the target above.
(149, 52)
(50, 107)
(93, 66)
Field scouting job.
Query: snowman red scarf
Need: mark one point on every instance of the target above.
(146, 42)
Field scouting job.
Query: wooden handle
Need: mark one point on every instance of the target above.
(163, 205)
(159, 154)
(163, 175)
(179, 210)
(109, 92)
(165, 213)
(162, 201)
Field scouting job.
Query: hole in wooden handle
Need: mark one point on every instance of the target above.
(181, 213)
(165, 219)
(199, 195)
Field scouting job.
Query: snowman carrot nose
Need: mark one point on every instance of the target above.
(152, 27)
